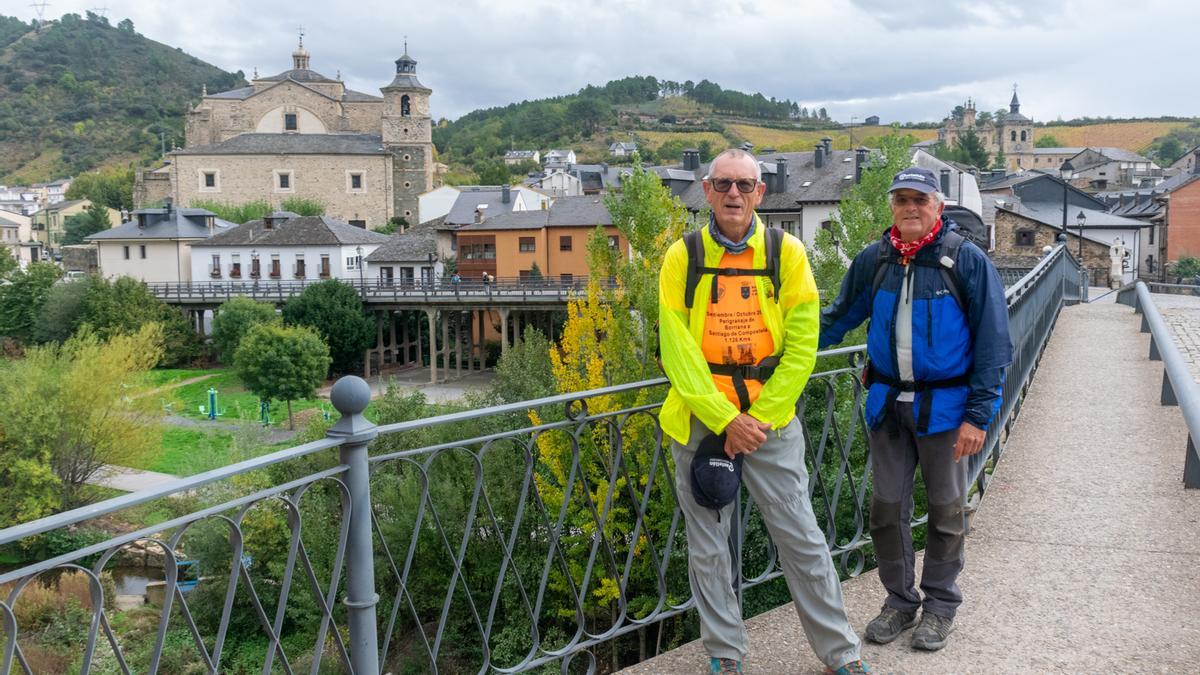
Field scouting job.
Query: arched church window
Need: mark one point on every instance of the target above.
(404, 105)
(1022, 134)
(1014, 135)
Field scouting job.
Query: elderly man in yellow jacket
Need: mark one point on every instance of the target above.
(738, 318)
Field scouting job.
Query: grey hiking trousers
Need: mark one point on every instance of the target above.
(778, 481)
(893, 464)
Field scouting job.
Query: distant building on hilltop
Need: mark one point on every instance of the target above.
(1011, 134)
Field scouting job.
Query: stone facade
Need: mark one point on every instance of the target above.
(272, 111)
(1017, 235)
(1012, 134)
(326, 178)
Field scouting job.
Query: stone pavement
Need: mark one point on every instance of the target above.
(1182, 314)
(1085, 554)
(129, 480)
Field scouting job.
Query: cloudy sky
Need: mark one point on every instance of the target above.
(902, 61)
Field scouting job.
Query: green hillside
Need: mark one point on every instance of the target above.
(79, 93)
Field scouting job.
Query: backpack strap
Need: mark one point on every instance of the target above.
(694, 243)
(695, 250)
(946, 264)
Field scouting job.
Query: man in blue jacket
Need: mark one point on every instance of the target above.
(938, 346)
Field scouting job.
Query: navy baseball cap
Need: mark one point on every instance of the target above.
(915, 178)
(715, 477)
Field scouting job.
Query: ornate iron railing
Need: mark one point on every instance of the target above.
(504, 289)
(504, 539)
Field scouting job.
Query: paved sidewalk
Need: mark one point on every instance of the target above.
(129, 480)
(1084, 557)
(1182, 314)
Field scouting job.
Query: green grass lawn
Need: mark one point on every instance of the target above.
(234, 403)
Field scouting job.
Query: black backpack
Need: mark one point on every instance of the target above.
(694, 242)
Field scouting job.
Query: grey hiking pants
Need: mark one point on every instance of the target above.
(778, 481)
(893, 464)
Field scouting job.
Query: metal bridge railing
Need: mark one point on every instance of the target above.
(1179, 386)
(540, 533)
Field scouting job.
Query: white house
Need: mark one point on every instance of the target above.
(157, 244)
(286, 247)
(16, 232)
(556, 183)
(518, 156)
(560, 157)
(622, 149)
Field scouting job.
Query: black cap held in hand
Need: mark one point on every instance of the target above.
(715, 477)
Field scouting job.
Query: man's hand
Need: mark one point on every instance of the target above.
(970, 441)
(744, 434)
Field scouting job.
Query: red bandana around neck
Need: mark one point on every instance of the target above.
(908, 249)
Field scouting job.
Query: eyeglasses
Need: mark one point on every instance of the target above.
(744, 185)
(905, 200)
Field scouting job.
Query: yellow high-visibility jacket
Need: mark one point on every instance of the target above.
(793, 322)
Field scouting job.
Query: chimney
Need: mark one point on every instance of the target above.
(818, 156)
(505, 194)
(167, 206)
(781, 174)
(691, 159)
(828, 143)
(478, 216)
(945, 176)
(860, 160)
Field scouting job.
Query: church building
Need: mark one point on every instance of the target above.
(1011, 133)
(300, 134)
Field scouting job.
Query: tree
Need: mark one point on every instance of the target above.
(282, 363)
(8, 262)
(535, 272)
(235, 317)
(999, 161)
(524, 372)
(21, 300)
(126, 25)
(968, 149)
(93, 219)
(124, 305)
(587, 114)
(334, 310)
(493, 173)
(62, 313)
(67, 410)
(1169, 151)
(1047, 141)
(863, 215)
(111, 187)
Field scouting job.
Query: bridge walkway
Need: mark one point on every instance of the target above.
(1084, 556)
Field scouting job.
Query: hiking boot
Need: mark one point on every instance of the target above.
(933, 632)
(724, 667)
(853, 668)
(889, 625)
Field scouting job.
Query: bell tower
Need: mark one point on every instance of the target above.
(408, 136)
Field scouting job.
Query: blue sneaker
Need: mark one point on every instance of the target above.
(724, 667)
(853, 668)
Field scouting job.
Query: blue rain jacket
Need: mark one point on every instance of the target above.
(948, 343)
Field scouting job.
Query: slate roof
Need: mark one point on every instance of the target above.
(825, 184)
(64, 205)
(1058, 151)
(183, 223)
(463, 210)
(299, 231)
(7, 223)
(299, 75)
(599, 176)
(236, 94)
(292, 144)
(1142, 203)
(520, 154)
(586, 211)
(411, 246)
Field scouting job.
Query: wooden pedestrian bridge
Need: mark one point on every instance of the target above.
(500, 541)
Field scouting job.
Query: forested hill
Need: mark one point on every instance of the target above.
(79, 92)
(641, 102)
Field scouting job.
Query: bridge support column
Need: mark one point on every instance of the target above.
(445, 322)
(391, 321)
(404, 339)
(503, 331)
(470, 342)
(430, 316)
(484, 316)
(458, 343)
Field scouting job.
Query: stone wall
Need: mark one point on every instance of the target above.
(244, 178)
(150, 188)
(216, 120)
(1008, 224)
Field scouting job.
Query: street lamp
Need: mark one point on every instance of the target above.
(362, 283)
(1065, 172)
(1081, 220)
(254, 263)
